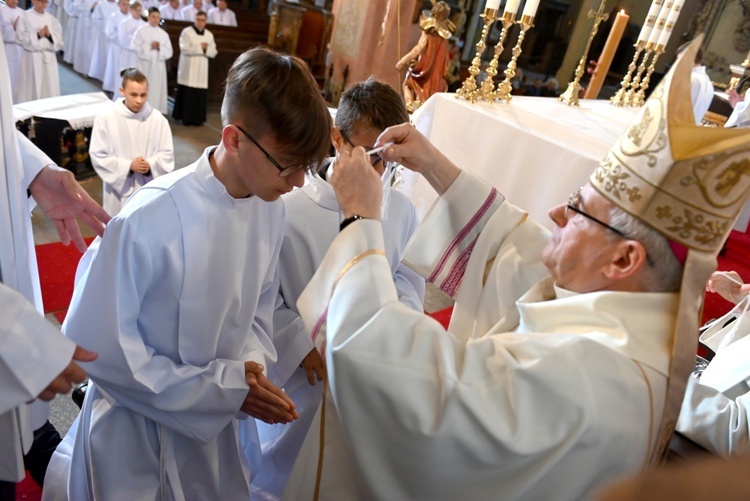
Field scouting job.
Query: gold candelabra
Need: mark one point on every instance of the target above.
(504, 89)
(627, 98)
(570, 96)
(487, 91)
(619, 98)
(639, 97)
(469, 89)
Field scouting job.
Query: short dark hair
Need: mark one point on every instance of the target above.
(132, 74)
(267, 91)
(201, 13)
(151, 10)
(372, 103)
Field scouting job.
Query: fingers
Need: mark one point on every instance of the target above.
(84, 355)
(267, 402)
(253, 367)
(72, 229)
(62, 231)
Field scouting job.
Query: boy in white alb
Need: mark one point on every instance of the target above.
(153, 48)
(312, 222)
(131, 144)
(10, 12)
(179, 297)
(40, 36)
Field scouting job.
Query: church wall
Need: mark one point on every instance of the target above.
(358, 39)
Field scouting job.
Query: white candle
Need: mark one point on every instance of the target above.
(492, 4)
(650, 21)
(529, 8)
(511, 6)
(671, 20)
(661, 21)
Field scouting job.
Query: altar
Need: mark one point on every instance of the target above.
(62, 127)
(534, 150)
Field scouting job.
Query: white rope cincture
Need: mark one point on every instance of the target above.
(163, 462)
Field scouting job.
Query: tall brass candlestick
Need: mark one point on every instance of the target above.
(468, 89)
(570, 96)
(618, 98)
(504, 89)
(639, 97)
(487, 90)
(627, 99)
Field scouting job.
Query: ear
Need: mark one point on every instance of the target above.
(230, 138)
(122, 92)
(336, 138)
(628, 260)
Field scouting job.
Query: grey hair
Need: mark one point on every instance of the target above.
(663, 272)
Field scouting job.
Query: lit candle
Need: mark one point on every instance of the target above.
(661, 21)
(608, 53)
(669, 26)
(511, 6)
(529, 8)
(648, 25)
(492, 4)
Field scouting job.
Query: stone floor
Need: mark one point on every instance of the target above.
(189, 143)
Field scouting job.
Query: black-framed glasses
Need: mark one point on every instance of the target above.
(575, 200)
(374, 157)
(283, 171)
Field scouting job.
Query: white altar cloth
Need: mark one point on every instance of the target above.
(79, 110)
(535, 150)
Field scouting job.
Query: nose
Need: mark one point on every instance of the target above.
(297, 178)
(557, 214)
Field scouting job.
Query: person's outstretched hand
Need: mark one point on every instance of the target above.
(357, 185)
(59, 195)
(728, 285)
(415, 152)
(72, 374)
(265, 400)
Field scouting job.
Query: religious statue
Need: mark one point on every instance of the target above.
(427, 63)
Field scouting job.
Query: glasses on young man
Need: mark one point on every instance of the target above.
(374, 157)
(283, 171)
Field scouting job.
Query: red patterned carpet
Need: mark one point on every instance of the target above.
(57, 270)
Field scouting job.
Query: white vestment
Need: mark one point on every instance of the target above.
(125, 31)
(69, 6)
(701, 92)
(168, 12)
(740, 116)
(152, 62)
(312, 223)
(542, 395)
(83, 44)
(112, 80)
(716, 410)
(188, 13)
(222, 17)
(33, 352)
(39, 72)
(192, 70)
(13, 50)
(102, 12)
(117, 138)
(175, 298)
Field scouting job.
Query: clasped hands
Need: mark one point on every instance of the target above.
(264, 400)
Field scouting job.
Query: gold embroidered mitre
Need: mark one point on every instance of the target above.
(686, 181)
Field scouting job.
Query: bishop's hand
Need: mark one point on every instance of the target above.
(357, 185)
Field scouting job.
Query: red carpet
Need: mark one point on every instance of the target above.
(57, 269)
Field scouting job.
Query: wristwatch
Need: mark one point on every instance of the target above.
(346, 222)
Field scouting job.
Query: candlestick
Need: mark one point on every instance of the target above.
(661, 20)
(618, 98)
(487, 91)
(570, 96)
(503, 90)
(648, 25)
(511, 7)
(670, 22)
(608, 53)
(529, 8)
(639, 97)
(468, 89)
(492, 4)
(627, 99)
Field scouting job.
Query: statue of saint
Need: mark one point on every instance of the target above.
(428, 61)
